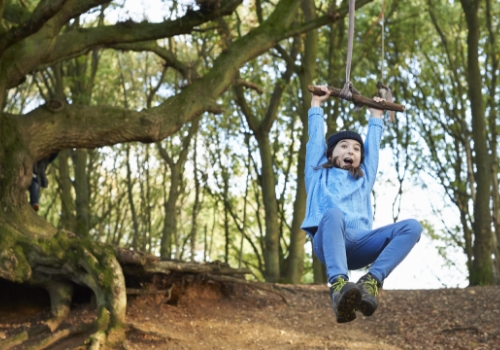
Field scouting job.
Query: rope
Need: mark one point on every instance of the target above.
(383, 45)
(346, 93)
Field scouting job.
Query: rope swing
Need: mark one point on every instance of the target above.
(383, 90)
(348, 92)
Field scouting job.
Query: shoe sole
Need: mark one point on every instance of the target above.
(367, 308)
(348, 305)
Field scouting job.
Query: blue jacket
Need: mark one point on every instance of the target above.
(337, 188)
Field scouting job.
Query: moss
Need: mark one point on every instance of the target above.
(14, 265)
(13, 262)
(116, 336)
(23, 268)
(102, 321)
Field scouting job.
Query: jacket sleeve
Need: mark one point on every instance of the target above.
(316, 146)
(372, 147)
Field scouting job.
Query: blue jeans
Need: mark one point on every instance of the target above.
(34, 191)
(341, 248)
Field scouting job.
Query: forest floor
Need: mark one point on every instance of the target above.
(221, 316)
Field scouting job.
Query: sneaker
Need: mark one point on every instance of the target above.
(346, 297)
(369, 286)
(36, 207)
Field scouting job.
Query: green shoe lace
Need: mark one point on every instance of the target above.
(337, 286)
(371, 286)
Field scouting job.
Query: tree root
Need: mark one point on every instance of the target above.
(257, 285)
(95, 340)
(60, 301)
(15, 340)
(55, 337)
(23, 336)
(166, 292)
(137, 264)
(52, 262)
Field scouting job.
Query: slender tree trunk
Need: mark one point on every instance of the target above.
(319, 270)
(82, 193)
(147, 206)
(68, 220)
(295, 261)
(130, 193)
(227, 236)
(170, 221)
(197, 203)
(482, 267)
(271, 251)
(492, 118)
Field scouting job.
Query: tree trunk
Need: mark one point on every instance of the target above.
(271, 251)
(130, 186)
(34, 252)
(82, 193)
(196, 205)
(319, 270)
(295, 261)
(170, 221)
(68, 220)
(482, 267)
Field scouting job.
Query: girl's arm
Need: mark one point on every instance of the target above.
(372, 142)
(316, 146)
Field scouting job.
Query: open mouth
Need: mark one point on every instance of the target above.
(348, 161)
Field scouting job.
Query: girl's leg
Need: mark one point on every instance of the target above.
(330, 243)
(385, 247)
(34, 190)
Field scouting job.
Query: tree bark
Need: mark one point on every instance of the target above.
(82, 193)
(295, 261)
(482, 268)
(68, 220)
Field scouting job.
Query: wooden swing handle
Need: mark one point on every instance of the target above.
(383, 105)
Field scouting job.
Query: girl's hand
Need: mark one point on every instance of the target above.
(317, 100)
(376, 113)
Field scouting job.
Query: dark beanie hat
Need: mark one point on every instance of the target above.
(346, 134)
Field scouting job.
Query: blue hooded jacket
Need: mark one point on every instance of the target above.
(336, 188)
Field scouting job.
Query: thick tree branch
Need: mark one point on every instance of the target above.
(45, 10)
(42, 49)
(96, 126)
(24, 56)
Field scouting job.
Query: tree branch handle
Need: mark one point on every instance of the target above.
(384, 105)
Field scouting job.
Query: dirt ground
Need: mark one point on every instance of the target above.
(210, 315)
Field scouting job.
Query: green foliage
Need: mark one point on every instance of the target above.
(424, 64)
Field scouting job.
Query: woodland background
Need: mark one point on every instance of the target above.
(181, 129)
(228, 185)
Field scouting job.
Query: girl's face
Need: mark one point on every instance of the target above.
(347, 154)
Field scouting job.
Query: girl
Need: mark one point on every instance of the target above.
(339, 179)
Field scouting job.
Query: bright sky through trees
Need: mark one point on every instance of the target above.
(424, 267)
